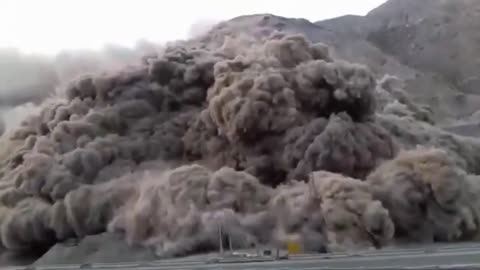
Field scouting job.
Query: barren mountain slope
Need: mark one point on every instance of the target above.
(439, 38)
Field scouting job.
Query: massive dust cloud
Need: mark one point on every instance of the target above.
(274, 142)
(30, 79)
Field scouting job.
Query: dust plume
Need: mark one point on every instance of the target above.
(30, 79)
(428, 196)
(270, 138)
(331, 212)
(201, 27)
(262, 103)
(178, 212)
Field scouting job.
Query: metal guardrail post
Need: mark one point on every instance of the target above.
(220, 238)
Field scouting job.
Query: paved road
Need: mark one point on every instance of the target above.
(468, 129)
(451, 256)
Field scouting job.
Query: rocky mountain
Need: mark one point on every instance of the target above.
(434, 35)
(437, 38)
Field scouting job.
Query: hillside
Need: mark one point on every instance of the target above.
(438, 38)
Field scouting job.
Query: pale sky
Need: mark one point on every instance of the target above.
(47, 26)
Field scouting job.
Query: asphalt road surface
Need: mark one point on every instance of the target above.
(448, 256)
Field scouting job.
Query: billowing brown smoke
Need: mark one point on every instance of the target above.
(392, 99)
(343, 146)
(409, 133)
(271, 141)
(262, 103)
(428, 196)
(180, 211)
(331, 212)
(411, 125)
(32, 77)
